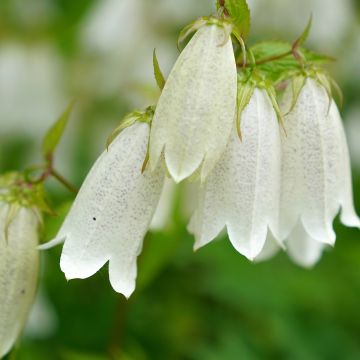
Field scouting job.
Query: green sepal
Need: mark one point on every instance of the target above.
(204, 21)
(245, 92)
(16, 190)
(239, 38)
(324, 80)
(239, 12)
(297, 84)
(130, 119)
(53, 136)
(13, 210)
(254, 78)
(272, 95)
(159, 77)
(191, 28)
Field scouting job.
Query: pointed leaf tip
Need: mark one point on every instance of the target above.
(240, 13)
(55, 133)
(305, 34)
(159, 77)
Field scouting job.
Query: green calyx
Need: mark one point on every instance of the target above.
(17, 191)
(248, 81)
(206, 21)
(298, 81)
(144, 116)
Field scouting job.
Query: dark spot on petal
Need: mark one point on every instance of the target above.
(94, 218)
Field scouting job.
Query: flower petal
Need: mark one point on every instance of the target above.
(19, 268)
(242, 192)
(193, 119)
(112, 212)
(302, 248)
(348, 214)
(270, 249)
(164, 209)
(311, 170)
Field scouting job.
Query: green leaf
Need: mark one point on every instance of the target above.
(240, 13)
(303, 37)
(282, 61)
(53, 136)
(159, 77)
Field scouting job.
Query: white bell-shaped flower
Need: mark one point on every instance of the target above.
(112, 212)
(194, 116)
(316, 174)
(242, 192)
(301, 248)
(19, 268)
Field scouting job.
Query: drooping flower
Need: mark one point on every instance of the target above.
(242, 192)
(194, 116)
(112, 212)
(316, 174)
(19, 267)
(301, 248)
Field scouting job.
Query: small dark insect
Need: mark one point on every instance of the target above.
(94, 218)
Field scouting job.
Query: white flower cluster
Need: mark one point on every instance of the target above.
(268, 189)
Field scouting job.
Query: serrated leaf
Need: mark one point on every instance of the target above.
(53, 136)
(240, 13)
(159, 77)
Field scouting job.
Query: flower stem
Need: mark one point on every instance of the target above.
(222, 4)
(267, 59)
(63, 181)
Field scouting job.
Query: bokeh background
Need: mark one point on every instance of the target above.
(212, 304)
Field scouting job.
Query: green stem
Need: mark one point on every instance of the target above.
(63, 181)
(267, 59)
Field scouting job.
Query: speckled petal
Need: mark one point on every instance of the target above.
(348, 214)
(19, 267)
(193, 119)
(270, 249)
(302, 248)
(311, 169)
(242, 192)
(112, 212)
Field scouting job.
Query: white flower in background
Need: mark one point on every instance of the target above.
(352, 127)
(316, 174)
(340, 14)
(242, 192)
(163, 213)
(19, 267)
(301, 248)
(112, 213)
(112, 26)
(194, 116)
(31, 88)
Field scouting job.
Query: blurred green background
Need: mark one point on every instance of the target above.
(210, 305)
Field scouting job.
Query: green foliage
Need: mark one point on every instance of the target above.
(240, 13)
(283, 61)
(53, 136)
